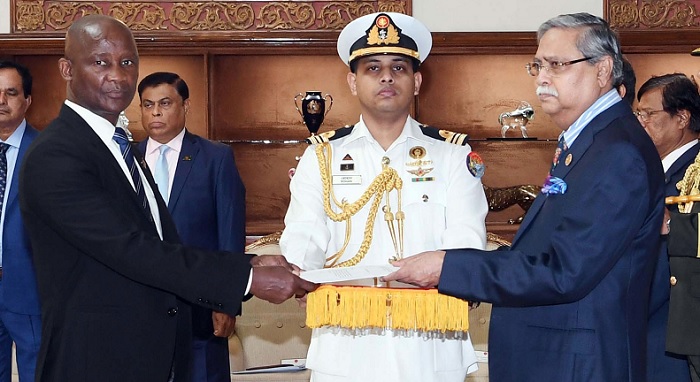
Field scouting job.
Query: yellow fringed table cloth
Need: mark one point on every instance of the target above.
(357, 308)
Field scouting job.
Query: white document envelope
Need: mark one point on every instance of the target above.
(334, 275)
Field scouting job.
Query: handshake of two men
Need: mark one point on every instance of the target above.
(276, 280)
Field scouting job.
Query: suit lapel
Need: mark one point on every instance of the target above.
(569, 158)
(27, 138)
(93, 142)
(188, 154)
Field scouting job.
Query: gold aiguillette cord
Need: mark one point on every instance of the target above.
(384, 183)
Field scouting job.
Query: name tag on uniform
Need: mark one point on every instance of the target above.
(347, 179)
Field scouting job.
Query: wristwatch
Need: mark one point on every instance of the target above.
(668, 225)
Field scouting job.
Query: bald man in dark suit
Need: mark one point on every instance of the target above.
(114, 282)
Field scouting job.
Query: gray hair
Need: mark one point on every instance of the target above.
(597, 39)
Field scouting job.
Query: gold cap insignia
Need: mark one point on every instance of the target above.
(383, 32)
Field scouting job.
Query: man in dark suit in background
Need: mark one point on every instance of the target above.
(570, 297)
(115, 284)
(669, 111)
(20, 316)
(199, 182)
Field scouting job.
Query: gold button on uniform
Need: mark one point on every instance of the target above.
(673, 280)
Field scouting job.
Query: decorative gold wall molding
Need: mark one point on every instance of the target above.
(280, 15)
(335, 15)
(657, 15)
(40, 16)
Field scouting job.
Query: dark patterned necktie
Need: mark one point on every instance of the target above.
(3, 173)
(125, 147)
(561, 147)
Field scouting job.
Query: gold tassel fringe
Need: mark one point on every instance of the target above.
(353, 307)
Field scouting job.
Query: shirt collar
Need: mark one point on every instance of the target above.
(361, 131)
(673, 156)
(102, 127)
(15, 139)
(600, 105)
(174, 144)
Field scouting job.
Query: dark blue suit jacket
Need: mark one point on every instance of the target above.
(207, 203)
(19, 290)
(570, 297)
(663, 366)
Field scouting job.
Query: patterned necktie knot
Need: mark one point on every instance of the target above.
(3, 148)
(561, 147)
(120, 136)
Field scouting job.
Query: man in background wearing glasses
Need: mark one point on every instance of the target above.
(669, 110)
(570, 296)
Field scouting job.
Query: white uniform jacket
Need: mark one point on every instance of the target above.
(445, 208)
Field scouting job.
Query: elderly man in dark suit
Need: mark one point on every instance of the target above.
(570, 297)
(199, 182)
(669, 110)
(114, 282)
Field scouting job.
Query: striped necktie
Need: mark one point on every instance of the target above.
(125, 147)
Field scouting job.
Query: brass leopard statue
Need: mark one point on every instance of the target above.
(502, 198)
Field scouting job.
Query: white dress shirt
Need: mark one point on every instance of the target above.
(172, 155)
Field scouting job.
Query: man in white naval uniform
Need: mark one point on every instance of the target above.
(442, 198)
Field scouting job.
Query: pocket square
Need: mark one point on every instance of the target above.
(554, 185)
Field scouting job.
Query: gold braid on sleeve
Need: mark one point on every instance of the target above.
(387, 181)
(689, 185)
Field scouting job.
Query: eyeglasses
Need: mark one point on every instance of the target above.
(554, 68)
(644, 115)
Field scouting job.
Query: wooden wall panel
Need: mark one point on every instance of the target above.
(253, 96)
(264, 169)
(48, 89)
(458, 93)
(467, 93)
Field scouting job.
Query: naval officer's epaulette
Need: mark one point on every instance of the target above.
(329, 135)
(445, 135)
